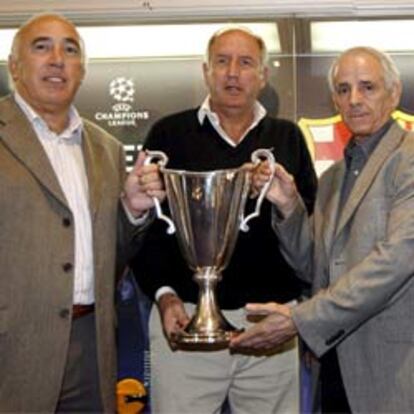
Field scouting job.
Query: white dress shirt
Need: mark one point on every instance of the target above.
(259, 112)
(65, 155)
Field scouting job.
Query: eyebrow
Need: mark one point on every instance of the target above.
(46, 38)
(40, 39)
(73, 41)
(225, 54)
(339, 84)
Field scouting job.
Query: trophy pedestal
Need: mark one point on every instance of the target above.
(208, 328)
(191, 339)
(204, 342)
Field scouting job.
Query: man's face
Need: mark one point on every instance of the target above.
(234, 75)
(360, 94)
(47, 65)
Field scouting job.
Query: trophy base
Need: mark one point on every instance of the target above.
(212, 341)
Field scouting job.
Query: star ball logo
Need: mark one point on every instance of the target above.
(122, 90)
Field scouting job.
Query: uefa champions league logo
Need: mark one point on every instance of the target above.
(122, 89)
(122, 112)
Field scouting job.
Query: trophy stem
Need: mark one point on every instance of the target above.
(208, 325)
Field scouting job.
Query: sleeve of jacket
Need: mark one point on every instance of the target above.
(295, 233)
(129, 236)
(305, 177)
(381, 282)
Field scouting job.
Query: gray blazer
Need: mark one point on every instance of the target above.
(36, 240)
(362, 273)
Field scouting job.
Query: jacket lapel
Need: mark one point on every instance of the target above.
(18, 136)
(332, 205)
(375, 162)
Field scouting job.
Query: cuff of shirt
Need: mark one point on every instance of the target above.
(136, 221)
(163, 290)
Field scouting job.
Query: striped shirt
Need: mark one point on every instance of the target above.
(65, 155)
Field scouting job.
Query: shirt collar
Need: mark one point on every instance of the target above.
(73, 132)
(259, 112)
(367, 145)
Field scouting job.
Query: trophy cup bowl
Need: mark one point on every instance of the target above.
(207, 210)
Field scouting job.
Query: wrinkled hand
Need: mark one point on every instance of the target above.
(276, 328)
(142, 183)
(282, 191)
(173, 315)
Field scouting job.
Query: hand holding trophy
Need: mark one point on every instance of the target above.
(207, 211)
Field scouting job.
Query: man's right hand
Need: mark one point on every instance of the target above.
(282, 191)
(173, 314)
(275, 329)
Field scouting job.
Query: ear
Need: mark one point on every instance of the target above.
(206, 69)
(264, 77)
(12, 65)
(83, 72)
(396, 94)
(333, 97)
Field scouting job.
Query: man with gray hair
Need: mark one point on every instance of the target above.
(357, 250)
(223, 133)
(69, 217)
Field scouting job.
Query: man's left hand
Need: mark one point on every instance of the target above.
(142, 184)
(276, 328)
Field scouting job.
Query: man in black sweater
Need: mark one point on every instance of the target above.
(223, 133)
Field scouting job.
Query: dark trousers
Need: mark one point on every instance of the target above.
(80, 389)
(333, 395)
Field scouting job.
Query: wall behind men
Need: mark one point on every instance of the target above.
(126, 97)
(313, 95)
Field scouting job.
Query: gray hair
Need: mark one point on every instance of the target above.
(237, 28)
(391, 73)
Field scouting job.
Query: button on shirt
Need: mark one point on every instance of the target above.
(65, 155)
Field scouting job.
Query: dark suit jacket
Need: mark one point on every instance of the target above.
(36, 240)
(363, 275)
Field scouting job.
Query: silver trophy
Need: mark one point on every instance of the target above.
(207, 211)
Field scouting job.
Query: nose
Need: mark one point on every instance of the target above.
(57, 56)
(233, 68)
(355, 96)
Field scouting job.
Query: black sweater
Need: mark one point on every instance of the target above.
(257, 271)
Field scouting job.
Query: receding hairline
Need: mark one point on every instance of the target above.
(26, 26)
(237, 29)
(390, 71)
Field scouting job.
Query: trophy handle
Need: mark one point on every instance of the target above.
(162, 160)
(256, 159)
